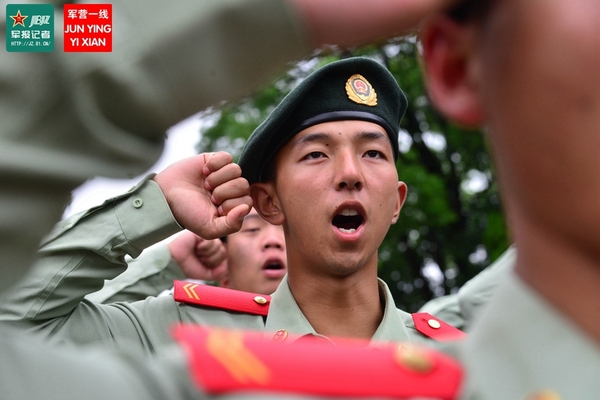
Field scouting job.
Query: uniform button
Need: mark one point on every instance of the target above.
(414, 360)
(545, 395)
(434, 324)
(280, 335)
(260, 300)
(137, 203)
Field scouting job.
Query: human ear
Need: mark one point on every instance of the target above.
(402, 190)
(451, 64)
(266, 202)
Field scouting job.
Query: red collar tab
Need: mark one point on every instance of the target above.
(222, 298)
(223, 361)
(435, 328)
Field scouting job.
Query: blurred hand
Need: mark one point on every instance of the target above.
(199, 258)
(355, 22)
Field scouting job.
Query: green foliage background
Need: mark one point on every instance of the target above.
(442, 223)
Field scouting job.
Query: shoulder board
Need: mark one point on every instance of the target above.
(224, 361)
(222, 298)
(435, 328)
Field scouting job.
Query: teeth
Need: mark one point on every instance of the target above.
(347, 230)
(349, 213)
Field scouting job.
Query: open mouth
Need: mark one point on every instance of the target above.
(273, 266)
(348, 220)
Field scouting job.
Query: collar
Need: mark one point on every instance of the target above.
(286, 318)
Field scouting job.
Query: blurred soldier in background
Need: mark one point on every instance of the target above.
(252, 260)
(527, 70)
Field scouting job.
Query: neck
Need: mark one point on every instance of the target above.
(562, 271)
(348, 306)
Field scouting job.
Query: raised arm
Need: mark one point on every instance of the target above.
(187, 256)
(86, 249)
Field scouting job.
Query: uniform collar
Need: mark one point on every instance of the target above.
(285, 317)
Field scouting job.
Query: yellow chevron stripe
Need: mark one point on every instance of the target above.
(189, 290)
(194, 292)
(185, 287)
(228, 348)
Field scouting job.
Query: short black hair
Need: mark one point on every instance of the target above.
(470, 10)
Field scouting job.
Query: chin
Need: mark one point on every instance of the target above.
(270, 289)
(345, 269)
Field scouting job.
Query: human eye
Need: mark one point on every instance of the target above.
(374, 154)
(250, 229)
(313, 155)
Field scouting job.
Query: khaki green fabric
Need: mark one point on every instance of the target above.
(475, 295)
(86, 249)
(31, 369)
(151, 274)
(465, 307)
(522, 346)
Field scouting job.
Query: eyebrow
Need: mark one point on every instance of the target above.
(321, 137)
(251, 216)
(372, 135)
(310, 138)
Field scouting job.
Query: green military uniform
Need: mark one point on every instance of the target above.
(151, 274)
(75, 260)
(523, 348)
(475, 295)
(466, 306)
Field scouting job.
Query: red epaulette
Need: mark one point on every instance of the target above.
(223, 361)
(435, 328)
(223, 298)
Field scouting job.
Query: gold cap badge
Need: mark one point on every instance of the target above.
(360, 91)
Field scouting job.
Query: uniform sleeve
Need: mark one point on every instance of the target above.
(150, 274)
(33, 370)
(475, 295)
(463, 308)
(447, 309)
(74, 261)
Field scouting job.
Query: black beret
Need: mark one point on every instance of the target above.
(356, 88)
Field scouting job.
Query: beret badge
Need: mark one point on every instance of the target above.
(360, 91)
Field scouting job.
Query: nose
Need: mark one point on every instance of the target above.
(349, 174)
(273, 238)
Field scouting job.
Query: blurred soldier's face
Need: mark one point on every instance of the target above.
(256, 256)
(529, 71)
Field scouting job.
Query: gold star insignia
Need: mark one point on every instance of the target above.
(18, 19)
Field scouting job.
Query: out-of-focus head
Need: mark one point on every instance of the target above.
(527, 70)
(256, 257)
